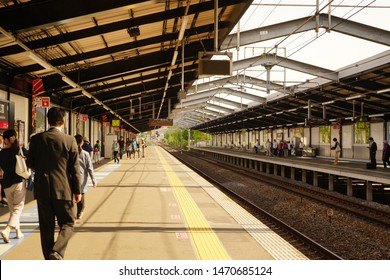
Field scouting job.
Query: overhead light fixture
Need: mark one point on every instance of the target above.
(184, 21)
(40, 61)
(353, 97)
(279, 113)
(169, 75)
(175, 54)
(292, 110)
(133, 31)
(328, 102)
(376, 115)
(383, 90)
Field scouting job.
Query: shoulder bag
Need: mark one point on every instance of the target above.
(21, 166)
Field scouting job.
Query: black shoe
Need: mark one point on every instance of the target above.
(55, 256)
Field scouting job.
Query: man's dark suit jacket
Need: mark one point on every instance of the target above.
(54, 158)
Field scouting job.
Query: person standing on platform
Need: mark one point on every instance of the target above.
(14, 185)
(386, 153)
(373, 148)
(257, 146)
(275, 147)
(54, 157)
(268, 147)
(86, 169)
(337, 150)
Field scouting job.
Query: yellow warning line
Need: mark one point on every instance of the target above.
(207, 244)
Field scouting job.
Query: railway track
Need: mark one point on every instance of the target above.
(306, 245)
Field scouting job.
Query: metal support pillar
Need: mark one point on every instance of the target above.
(331, 182)
(315, 178)
(369, 191)
(304, 176)
(349, 187)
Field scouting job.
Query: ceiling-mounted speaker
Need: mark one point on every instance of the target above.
(218, 67)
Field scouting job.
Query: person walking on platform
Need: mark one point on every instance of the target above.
(337, 150)
(115, 151)
(96, 152)
(373, 148)
(134, 147)
(54, 157)
(142, 147)
(87, 147)
(128, 148)
(386, 153)
(14, 185)
(86, 168)
(121, 143)
(3, 200)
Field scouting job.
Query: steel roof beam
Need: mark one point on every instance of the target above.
(340, 25)
(238, 79)
(272, 60)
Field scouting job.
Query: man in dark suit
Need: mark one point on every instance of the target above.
(373, 149)
(54, 157)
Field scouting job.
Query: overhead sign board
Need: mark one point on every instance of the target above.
(160, 122)
(42, 102)
(115, 123)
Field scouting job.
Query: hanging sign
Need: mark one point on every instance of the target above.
(160, 122)
(42, 102)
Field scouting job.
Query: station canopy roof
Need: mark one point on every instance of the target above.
(124, 60)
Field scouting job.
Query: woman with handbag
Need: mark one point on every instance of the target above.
(13, 184)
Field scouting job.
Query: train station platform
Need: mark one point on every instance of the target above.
(155, 208)
(348, 175)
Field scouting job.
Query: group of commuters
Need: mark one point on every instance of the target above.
(131, 147)
(61, 168)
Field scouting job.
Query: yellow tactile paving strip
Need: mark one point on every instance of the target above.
(206, 242)
(279, 248)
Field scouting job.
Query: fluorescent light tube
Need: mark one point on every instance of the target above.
(353, 97)
(328, 102)
(383, 90)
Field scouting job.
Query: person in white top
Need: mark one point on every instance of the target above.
(268, 148)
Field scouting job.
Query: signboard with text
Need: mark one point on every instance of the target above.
(42, 102)
(115, 123)
(160, 122)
